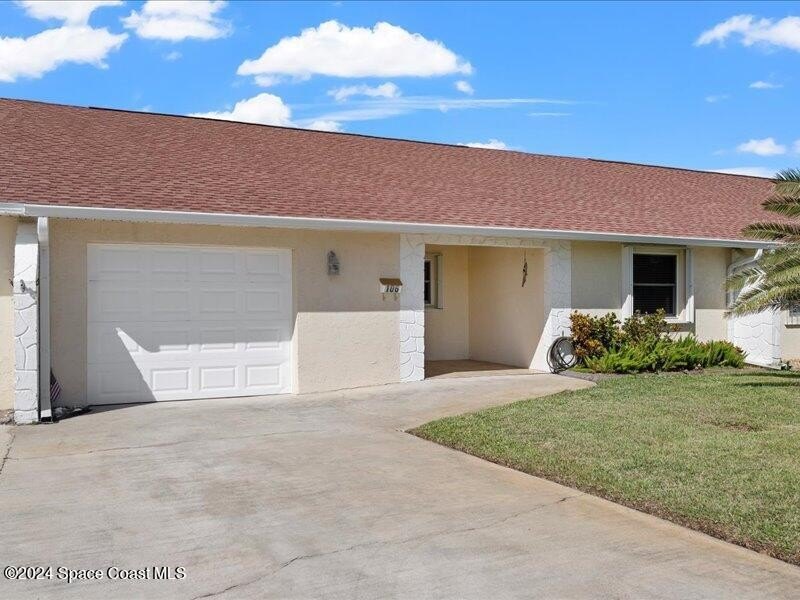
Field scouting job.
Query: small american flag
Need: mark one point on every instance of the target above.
(55, 389)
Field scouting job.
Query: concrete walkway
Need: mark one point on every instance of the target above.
(326, 496)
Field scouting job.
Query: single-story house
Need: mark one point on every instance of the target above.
(156, 257)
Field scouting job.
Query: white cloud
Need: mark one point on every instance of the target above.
(549, 114)
(34, 56)
(716, 98)
(783, 33)
(266, 109)
(385, 90)
(764, 147)
(752, 171)
(269, 109)
(69, 11)
(337, 50)
(796, 147)
(176, 20)
(492, 144)
(764, 85)
(324, 125)
(464, 87)
(173, 56)
(368, 110)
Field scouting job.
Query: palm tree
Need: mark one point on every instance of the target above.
(773, 280)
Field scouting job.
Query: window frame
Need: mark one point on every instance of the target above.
(684, 280)
(435, 260)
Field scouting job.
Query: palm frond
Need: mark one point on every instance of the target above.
(787, 182)
(743, 278)
(760, 298)
(783, 274)
(786, 178)
(788, 206)
(773, 231)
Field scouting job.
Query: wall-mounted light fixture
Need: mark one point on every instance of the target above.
(333, 263)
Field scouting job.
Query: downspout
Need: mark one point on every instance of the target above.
(43, 233)
(735, 266)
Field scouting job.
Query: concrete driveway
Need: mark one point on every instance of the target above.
(325, 496)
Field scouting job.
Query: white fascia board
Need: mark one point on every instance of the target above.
(239, 220)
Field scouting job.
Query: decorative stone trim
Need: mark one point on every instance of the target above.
(557, 299)
(26, 324)
(412, 308)
(759, 337)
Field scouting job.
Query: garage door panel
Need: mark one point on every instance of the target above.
(218, 378)
(121, 263)
(261, 338)
(219, 264)
(110, 343)
(218, 303)
(115, 387)
(263, 375)
(170, 265)
(118, 301)
(123, 342)
(168, 303)
(194, 324)
(273, 268)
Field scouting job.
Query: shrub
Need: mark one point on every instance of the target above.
(591, 336)
(642, 343)
(665, 354)
(642, 328)
(723, 354)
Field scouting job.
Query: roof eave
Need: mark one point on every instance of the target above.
(243, 220)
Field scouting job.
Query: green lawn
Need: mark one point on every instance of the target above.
(716, 452)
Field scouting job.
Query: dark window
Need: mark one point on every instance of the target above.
(428, 282)
(655, 286)
(431, 281)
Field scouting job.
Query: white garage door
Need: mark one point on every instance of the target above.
(179, 322)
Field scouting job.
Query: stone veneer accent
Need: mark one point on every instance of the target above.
(26, 324)
(557, 299)
(557, 292)
(759, 336)
(412, 308)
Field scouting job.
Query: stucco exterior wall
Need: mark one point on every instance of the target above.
(596, 271)
(8, 234)
(447, 328)
(596, 284)
(506, 320)
(710, 271)
(345, 333)
(790, 339)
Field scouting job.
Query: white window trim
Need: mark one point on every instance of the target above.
(437, 281)
(684, 291)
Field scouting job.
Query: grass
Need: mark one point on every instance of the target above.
(718, 452)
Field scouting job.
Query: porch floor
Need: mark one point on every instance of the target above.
(439, 369)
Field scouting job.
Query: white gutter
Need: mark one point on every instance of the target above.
(240, 220)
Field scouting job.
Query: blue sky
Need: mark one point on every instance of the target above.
(711, 85)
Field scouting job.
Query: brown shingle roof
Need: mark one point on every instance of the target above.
(53, 154)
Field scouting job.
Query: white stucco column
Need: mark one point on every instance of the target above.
(26, 324)
(557, 281)
(412, 308)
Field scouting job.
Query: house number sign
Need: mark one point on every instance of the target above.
(390, 285)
